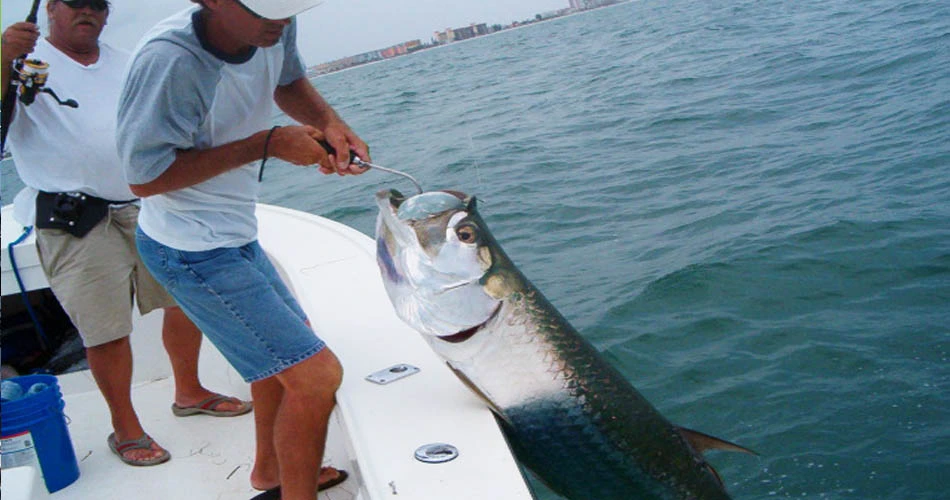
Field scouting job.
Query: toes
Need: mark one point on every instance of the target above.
(328, 474)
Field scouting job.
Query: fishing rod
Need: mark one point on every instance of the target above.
(28, 79)
(7, 106)
(31, 17)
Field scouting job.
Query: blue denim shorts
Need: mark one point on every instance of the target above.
(237, 299)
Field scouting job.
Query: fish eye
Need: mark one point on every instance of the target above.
(466, 234)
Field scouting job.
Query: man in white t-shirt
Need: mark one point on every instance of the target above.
(88, 254)
(195, 124)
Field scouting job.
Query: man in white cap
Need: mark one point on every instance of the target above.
(194, 129)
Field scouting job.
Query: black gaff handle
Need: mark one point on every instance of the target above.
(332, 150)
(359, 162)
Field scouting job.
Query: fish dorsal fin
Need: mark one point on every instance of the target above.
(702, 442)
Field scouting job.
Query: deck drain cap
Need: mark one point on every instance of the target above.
(436, 453)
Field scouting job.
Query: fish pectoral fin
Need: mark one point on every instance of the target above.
(702, 442)
(478, 392)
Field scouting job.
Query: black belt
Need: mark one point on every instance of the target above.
(74, 212)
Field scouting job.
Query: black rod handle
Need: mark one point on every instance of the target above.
(31, 18)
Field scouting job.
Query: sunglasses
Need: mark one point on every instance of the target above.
(96, 5)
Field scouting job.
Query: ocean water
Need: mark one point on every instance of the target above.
(745, 205)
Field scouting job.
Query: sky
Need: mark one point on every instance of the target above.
(335, 29)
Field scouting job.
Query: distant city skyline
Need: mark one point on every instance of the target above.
(451, 35)
(396, 21)
(335, 29)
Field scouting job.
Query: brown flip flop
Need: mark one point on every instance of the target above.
(142, 443)
(209, 407)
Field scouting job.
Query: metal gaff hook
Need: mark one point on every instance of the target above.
(356, 160)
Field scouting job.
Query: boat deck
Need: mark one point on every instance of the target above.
(375, 430)
(211, 457)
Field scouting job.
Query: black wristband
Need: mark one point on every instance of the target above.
(260, 174)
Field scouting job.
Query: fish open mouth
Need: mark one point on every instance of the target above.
(462, 336)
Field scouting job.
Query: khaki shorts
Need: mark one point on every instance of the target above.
(95, 277)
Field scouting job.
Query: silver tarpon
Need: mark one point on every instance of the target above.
(569, 416)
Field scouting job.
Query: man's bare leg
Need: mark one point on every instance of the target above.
(267, 395)
(300, 427)
(111, 367)
(182, 341)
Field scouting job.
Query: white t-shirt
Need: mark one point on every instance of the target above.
(58, 148)
(181, 94)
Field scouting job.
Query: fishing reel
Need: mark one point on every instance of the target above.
(31, 75)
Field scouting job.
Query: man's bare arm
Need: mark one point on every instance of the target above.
(302, 102)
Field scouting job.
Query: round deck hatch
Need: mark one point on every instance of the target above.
(436, 453)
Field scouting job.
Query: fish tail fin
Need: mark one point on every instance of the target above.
(702, 442)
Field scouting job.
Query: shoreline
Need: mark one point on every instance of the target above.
(440, 46)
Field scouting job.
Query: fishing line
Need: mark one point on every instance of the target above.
(478, 172)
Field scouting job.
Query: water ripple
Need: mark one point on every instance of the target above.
(745, 205)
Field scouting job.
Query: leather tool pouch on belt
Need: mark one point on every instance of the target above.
(73, 212)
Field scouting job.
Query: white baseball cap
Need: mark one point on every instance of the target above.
(279, 9)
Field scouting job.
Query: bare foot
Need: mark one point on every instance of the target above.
(327, 474)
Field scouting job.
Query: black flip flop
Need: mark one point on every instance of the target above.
(271, 494)
(274, 493)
